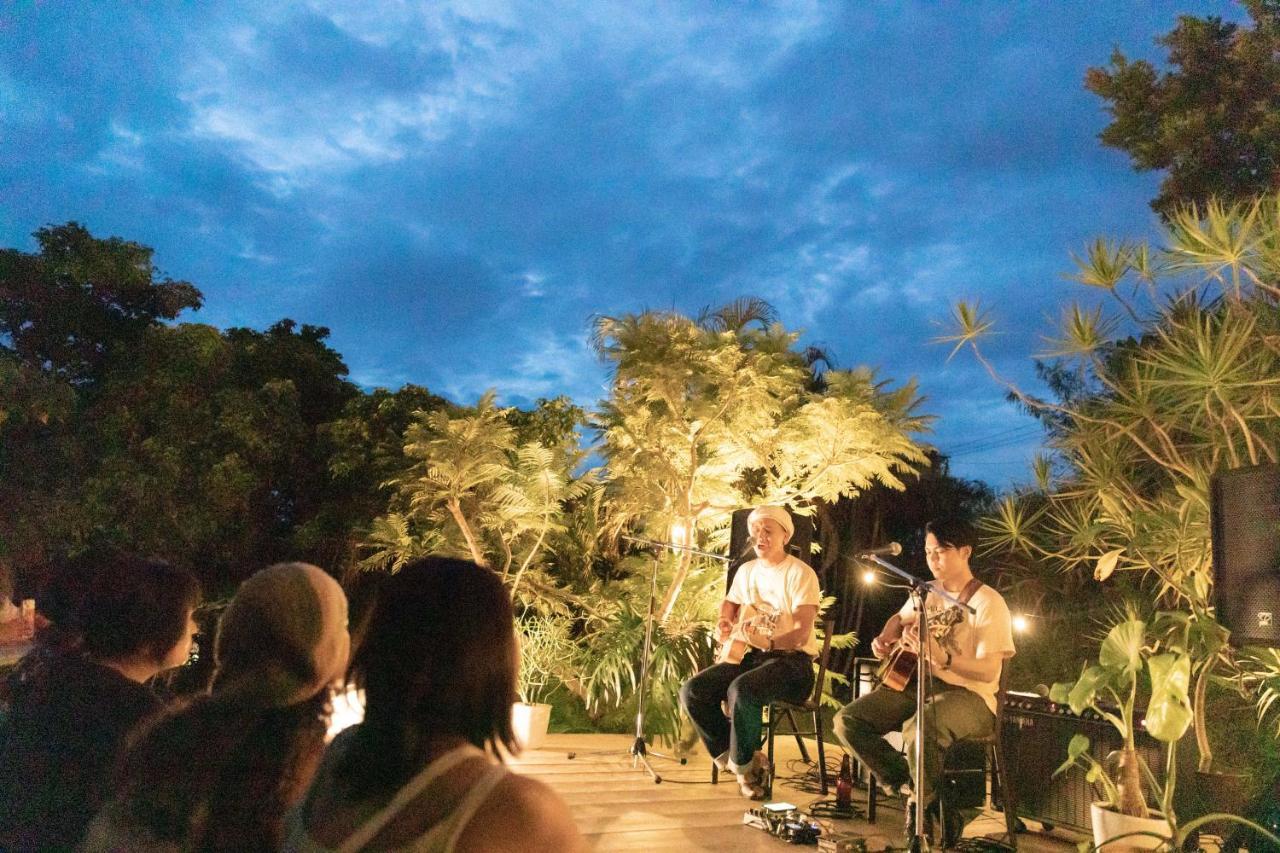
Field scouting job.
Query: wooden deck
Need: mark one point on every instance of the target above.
(620, 808)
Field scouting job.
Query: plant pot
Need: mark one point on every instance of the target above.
(1108, 824)
(1221, 792)
(530, 722)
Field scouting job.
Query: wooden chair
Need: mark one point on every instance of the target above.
(811, 705)
(1001, 788)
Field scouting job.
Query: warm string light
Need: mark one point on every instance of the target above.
(1021, 622)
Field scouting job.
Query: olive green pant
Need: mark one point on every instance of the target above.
(951, 714)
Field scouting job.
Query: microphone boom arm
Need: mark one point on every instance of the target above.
(918, 584)
(649, 543)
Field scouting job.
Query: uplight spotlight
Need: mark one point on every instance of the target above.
(680, 534)
(868, 577)
(1021, 624)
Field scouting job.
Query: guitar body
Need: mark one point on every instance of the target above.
(900, 665)
(758, 620)
(898, 669)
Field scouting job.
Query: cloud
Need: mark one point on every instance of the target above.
(456, 188)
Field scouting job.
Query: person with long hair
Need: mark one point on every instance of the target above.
(221, 772)
(72, 709)
(422, 771)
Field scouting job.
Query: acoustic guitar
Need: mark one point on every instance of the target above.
(752, 619)
(900, 664)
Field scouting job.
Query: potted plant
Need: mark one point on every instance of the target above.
(1216, 786)
(1111, 688)
(545, 652)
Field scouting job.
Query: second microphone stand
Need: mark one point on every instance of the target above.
(640, 751)
(920, 590)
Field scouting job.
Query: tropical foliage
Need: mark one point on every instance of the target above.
(707, 415)
(1110, 688)
(1142, 421)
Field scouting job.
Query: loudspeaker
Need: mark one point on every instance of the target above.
(741, 550)
(1244, 514)
(1035, 735)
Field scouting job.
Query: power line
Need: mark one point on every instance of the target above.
(992, 442)
(982, 439)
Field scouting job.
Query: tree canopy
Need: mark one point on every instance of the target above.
(1213, 120)
(79, 300)
(706, 416)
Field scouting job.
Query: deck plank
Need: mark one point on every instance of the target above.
(619, 808)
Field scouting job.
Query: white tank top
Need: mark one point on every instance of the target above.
(442, 837)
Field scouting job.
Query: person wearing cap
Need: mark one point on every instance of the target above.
(779, 662)
(222, 772)
(423, 770)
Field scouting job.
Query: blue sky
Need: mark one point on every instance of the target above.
(456, 188)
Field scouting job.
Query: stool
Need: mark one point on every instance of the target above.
(956, 784)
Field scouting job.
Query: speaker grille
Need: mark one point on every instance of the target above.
(1036, 733)
(1245, 519)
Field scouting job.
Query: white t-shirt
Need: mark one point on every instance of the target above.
(986, 633)
(783, 588)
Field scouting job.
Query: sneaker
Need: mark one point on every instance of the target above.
(754, 778)
(898, 792)
(750, 788)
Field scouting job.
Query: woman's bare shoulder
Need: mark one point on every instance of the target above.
(522, 814)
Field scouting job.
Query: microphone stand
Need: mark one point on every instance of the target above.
(920, 590)
(640, 751)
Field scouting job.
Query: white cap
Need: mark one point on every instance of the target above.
(778, 514)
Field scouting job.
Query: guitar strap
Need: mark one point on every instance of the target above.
(969, 589)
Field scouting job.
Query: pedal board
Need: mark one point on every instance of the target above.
(785, 821)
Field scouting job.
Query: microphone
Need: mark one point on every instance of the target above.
(893, 549)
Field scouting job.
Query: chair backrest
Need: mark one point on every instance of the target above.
(823, 656)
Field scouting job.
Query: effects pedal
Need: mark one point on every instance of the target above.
(785, 821)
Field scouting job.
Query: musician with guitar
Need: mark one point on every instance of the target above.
(966, 653)
(767, 650)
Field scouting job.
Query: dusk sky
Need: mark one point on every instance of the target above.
(455, 189)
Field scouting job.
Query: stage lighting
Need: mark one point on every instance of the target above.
(680, 534)
(1021, 624)
(868, 577)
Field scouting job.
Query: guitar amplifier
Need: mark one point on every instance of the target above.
(1036, 733)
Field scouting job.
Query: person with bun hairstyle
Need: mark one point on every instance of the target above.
(422, 771)
(221, 772)
(772, 606)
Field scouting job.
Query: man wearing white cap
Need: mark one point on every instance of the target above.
(781, 593)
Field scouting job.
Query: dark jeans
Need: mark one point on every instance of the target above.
(746, 688)
(952, 714)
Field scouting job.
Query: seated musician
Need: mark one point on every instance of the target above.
(966, 650)
(770, 608)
